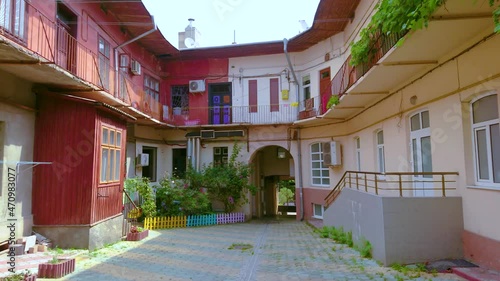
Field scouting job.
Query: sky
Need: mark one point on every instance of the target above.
(217, 20)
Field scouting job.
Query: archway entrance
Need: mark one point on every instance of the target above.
(274, 175)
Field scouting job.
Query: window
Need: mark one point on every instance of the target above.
(180, 99)
(104, 68)
(380, 152)
(220, 155)
(152, 87)
(357, 142)
(149, 171)
(318, 211)
(320, 173)
(110, 154)
(12, 17)
(306, 87)
(486, 134)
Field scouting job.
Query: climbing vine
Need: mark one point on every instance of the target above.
(399, 16)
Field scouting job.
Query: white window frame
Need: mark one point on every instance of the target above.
(485, 125)
(321, 168)
(306, 86)
(380, 152)
(357, 146)
(314, 211)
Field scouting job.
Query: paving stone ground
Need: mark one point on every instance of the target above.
(282, 250)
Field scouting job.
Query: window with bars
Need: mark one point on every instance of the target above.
(180, 99)
(220, 155)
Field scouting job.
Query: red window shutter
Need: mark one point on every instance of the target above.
(275, 102)
(252, 95)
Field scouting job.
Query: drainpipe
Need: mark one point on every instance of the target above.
(126, 43)
(299, 147)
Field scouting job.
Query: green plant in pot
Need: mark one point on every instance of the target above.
(334, 100)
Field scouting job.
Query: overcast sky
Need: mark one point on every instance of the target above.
(253, 20)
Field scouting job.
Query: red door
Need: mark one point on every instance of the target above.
(324, 88)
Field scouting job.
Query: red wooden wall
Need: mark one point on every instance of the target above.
(65, 136)
(67, 133)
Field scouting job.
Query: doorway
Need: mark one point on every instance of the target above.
(66, 38)
(220, 103)
(324, 88)
(179, 162)
(420, 137)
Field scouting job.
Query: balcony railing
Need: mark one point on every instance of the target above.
(348, 75)
(428, 184)
(225, 115)
(309, 108)
(23, 23)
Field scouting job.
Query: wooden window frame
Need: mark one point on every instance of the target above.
(110, 175)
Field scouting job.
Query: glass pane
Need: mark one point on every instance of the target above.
(111, 163)
(117, 165)
(482, 154)
(315, 156)
(425, 144)
(318, 211)
(495, 151)
(316, 181)
(485, 109)
(425, 119)
(325, 173)
(315, 147)
(104, 164)
(358, 160)
(118, 139)
(358, 143)
(112, 137)
(316, 173)
(316, 165)
(415, 155)
(380, 137)
(326, 181)
(381, 164)
(104, 136)
(415, 122)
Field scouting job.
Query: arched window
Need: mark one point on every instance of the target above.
(320, 174)
(486, 136)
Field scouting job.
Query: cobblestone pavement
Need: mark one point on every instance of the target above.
(282, 250)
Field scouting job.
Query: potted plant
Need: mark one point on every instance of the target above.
(334, 100)
(25, 275)
(137, 233)
(56, 268)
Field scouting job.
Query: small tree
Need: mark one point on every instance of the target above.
(286, 191)
(229, 182)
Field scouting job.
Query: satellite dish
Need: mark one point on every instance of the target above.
(189, 42)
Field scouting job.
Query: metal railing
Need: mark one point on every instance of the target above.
(235, 114)
(416, 184)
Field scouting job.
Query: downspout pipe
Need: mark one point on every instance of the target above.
(299, 147)
(126, 43)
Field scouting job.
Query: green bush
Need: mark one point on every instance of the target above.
(143, 187)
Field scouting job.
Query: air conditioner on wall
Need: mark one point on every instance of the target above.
(196, 86)
(331, 153)
(135, 67)
(142, 160)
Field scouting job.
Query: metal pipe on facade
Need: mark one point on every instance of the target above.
(126, 43)
(299, 147)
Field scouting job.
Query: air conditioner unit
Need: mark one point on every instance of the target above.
(142, 160)
(135, 67)
(331, 154)
(196, 86)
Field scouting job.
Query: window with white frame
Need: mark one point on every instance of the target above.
(357, 143)
(318, 211)
(306, 87)
(486, 136)
(380, 152)
(320, 173)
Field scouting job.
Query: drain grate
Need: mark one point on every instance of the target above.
(447, 265)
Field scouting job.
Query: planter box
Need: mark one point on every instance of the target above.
(26, 278)
(56, 270)
(137, 236)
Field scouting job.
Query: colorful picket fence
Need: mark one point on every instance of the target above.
(192, 221)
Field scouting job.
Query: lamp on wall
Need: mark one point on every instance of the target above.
(281, 153)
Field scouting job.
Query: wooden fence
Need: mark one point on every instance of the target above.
(192, 221)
